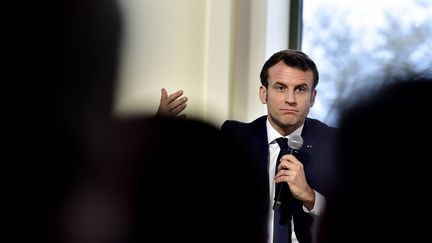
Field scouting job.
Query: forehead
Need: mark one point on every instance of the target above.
(287, 75)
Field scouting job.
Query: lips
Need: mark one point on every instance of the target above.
(289, 111)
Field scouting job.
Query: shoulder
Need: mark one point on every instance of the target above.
(233, 124)
(315, 124)
(316, 128)
(241, 130)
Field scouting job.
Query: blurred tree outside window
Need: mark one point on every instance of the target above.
(356, 44)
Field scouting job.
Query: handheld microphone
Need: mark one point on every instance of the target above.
(295, 142)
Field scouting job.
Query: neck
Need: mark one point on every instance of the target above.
(284, 129)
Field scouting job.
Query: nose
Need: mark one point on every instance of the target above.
(290, 97)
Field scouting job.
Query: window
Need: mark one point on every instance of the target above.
(355, 44)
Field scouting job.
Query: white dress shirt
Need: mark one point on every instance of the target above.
(274, 149)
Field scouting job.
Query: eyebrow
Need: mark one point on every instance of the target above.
(279, 83)
(296, 86)
(302, 85)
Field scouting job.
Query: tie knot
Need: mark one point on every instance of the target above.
(283, 143)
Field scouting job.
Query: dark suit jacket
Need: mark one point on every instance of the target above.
(317, 156)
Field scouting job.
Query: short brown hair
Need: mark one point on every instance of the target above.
(292, 58)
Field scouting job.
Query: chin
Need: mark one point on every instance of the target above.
(289, 124)
(286, 123)
(289, 120)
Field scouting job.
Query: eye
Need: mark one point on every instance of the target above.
(301, 89)
(279, 88)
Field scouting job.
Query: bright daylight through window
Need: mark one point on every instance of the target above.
(356, 43)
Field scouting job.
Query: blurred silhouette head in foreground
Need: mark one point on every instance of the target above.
(109, 180)
(383, 180)
(158, 175)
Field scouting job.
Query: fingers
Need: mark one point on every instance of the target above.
(164, 95)
(179, 106)
(283, 173)
(171, 105)
(178, 103)
(289, 162)
(173, 97)
(289, 166)
(175, 103)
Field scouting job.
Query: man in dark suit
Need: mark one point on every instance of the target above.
(288, 88)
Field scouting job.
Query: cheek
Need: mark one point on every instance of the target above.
(274, 99)
(305, 103)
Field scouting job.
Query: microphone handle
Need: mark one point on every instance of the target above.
(279, 188)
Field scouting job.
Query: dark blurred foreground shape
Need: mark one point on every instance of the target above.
(106, 180)
(384, 151)
(178, 177)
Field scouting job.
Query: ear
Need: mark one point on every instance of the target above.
(263, 94)
(312, 99)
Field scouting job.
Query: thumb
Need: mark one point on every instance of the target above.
(164, 95)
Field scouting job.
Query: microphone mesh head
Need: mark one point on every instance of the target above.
(295, 142)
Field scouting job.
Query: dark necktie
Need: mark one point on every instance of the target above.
(282, 217)
(284, 149)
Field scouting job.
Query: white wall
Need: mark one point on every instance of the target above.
(212, 49)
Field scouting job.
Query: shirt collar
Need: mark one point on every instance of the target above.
(272, 134)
